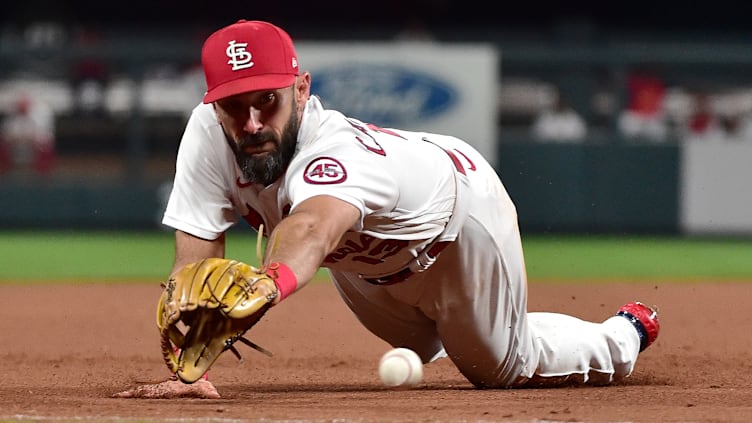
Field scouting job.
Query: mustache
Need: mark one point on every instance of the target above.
(252, 139)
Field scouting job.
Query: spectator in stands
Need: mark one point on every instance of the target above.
(703, 123)
(90, 75)
(644, 118)
(559, 123)
(737, 127)
(27, 136)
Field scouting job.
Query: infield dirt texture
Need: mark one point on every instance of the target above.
(65, 349)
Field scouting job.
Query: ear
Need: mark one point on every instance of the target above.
(302, 90)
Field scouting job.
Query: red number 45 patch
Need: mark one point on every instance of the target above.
(325, 170)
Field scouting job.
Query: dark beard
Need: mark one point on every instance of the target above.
(267, 169)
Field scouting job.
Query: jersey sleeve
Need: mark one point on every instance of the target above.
(344, 171)
(200, 202)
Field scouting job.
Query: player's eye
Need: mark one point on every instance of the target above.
(232, 106)
(267, 98)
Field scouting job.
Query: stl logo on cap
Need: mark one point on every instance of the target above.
(239, 57)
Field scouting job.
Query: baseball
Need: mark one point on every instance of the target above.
(400, 367)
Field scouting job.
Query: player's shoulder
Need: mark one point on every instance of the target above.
(203, 114)
(325, 129)
(203, 133)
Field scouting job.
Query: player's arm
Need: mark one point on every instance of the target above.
(190, 249)
(303, 239)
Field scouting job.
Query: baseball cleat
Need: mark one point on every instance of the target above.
(644, 319)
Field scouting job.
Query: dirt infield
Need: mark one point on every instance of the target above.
(67, 349)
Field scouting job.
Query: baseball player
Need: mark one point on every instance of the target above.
(417, 231)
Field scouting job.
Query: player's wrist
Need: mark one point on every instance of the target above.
(284, 278)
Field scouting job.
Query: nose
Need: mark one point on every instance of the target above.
(253, 123)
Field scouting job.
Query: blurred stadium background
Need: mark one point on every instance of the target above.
(665, 94)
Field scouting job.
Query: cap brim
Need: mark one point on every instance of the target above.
(250, 83)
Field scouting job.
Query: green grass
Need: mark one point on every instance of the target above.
(77, 256)
(98, 256)
(645, 258)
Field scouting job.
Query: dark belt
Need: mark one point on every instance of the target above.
(433, 252)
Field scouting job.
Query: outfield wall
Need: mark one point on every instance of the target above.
(691, 188)
(583, 188)
(80, 206)
(618, 188)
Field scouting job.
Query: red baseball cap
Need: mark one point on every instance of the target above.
(247, 56)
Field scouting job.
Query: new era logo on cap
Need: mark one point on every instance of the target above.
(247, 56)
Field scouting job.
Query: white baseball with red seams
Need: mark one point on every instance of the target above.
(400, 367)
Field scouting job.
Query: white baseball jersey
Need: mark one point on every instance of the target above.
(419, 194)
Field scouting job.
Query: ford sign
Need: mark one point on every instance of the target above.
(385, 95)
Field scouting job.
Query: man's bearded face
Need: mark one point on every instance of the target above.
(264, 169)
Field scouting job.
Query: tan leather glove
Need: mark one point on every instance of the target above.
(205, 308)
